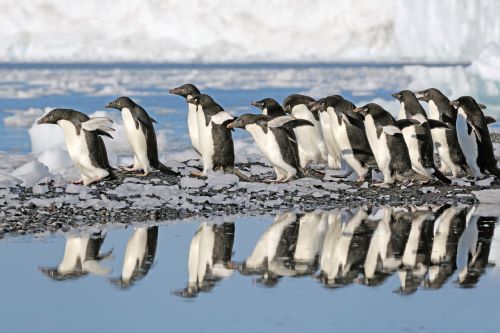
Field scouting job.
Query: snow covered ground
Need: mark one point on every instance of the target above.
(247, 31)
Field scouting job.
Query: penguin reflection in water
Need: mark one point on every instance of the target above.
(82, 256)
(209, 257)
(141, 137)
(139, 256)
(274, 140)
(85, 146)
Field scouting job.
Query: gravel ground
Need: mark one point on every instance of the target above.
(54, 205)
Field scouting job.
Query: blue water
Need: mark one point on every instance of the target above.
(31, 301)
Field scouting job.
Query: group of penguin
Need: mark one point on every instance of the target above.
(300, 133)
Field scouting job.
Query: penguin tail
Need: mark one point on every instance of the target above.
(238, 173)
(440, 176)
(494, 170)
(166, 170)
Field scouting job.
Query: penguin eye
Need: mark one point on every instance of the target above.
(322, 103)
(51, 116)
(365, 109)
(240, 121)
(289, 106)
(184, 89)
(118, 103)
(426, 94)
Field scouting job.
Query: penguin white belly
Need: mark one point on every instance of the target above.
(137, 141)
(134, 253)
(310, 239)
(309, 138)
(340, 133)
(378, 247)
(270, 148)
(442, 230)
(194, 259)
(468, 143)
(75, 250)
(334, 154)
(379, 147)
(330, 241)
(440, 140)
(412, 143)
(193, 126)
(206, 247)
(411, 248)
(79, 152)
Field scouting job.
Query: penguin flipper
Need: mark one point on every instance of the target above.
(481, 106)
(288, 120)
(489, 120)
(437, 124)
(98, 123)
(391, 130)
(403, 123)
(471, 128)
(354, 122)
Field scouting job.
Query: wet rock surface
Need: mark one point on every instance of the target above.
(56, 205)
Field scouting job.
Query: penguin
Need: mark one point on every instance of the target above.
(309, 138)
(140, 135)
(216, 141)
(139, 256)
(349, 133)
(474, 137)
(419, 138)
(274, 142)
(270, 107)
(386, 140)
(334, 158)
(82, 256)
(189, 91)
(85, 146)
(272, 254)
(445, 140)
(209, 258)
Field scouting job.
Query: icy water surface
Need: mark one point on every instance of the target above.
(383, 270)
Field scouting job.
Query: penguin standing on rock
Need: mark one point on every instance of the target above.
(474, 137)
(309, 138)
(388, 144)
(445, 140)
(419, 138)
(189, 91)
(141, 136)
(216, 141)
(274, 142)
(349, 133)
(84, 143)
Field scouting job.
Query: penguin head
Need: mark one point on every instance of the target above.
(370, 108)
(121, 103)
(467, 103)
(248, 119)
(202, 99)
(404, 96)
(185, 90)
(296, 99)
(55, 115)
(323, 103)
(430, 95)
(270, 107)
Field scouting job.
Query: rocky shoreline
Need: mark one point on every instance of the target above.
(55, 205)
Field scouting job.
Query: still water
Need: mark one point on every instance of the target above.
(381, 269)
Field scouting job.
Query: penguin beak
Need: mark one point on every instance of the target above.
(420, 96)
(454, 104)
(255, 104)
(41, 121)
(396, 95)
(110, 105)
(174, 91)
(314, 107)
(360, 110)
(230, 125)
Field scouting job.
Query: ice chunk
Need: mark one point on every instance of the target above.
(23, 118)
(188, 182)
(55, 159)
(40, 189)
(30, 173)
(45, 136)
(489, 196)
(487, 65)
(8, 180)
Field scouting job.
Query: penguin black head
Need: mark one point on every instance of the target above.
(323, 103)
(185, 90)
(270, 107)
(468, 104)
(296, 99)
(120, 103)
(202, 99)
(404, 96)
(247, 119)
(60, 114)
(371, 109)
(431, 94)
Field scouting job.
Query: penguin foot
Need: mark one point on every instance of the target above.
(271, 181)
(92, 181)
(129, 168)
(360, 180)
(198, 174)
(382, 185)
(145, 174)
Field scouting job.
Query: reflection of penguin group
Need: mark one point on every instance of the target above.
(362, 246)
(301, 134)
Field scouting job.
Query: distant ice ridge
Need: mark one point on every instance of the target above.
(260, 30)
